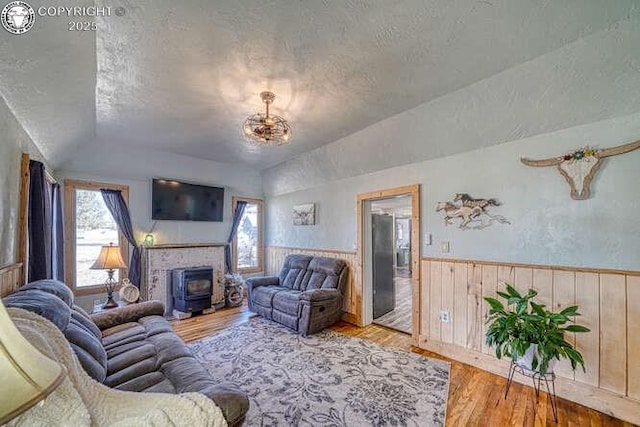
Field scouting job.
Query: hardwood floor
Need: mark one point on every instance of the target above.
(400, 317)
(476, 397)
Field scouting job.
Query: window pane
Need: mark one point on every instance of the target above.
(247, 237)
(95, 228)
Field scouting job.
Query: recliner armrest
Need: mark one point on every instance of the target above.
(254, 282)
(317, 295)
(129, 313)
(231, 400)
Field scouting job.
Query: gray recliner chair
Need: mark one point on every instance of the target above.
(306, 296)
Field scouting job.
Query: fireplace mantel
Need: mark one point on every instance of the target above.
(184, 245)
(159, 260)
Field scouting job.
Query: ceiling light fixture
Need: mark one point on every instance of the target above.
(266, 129)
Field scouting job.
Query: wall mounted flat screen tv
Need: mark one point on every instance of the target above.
(179, 201)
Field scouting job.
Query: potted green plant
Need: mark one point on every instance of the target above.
(528, 333)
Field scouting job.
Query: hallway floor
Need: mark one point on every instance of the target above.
(400, 317)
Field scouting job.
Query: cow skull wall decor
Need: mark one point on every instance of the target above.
(579, 168)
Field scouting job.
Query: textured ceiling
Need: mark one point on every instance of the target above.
(47, 77)
(182, 77)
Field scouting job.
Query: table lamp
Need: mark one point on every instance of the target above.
(26, 375)
(109, 259)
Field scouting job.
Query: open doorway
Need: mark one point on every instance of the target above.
(390, 262)
(394, 259)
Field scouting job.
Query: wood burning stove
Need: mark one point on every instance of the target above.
(192, 288)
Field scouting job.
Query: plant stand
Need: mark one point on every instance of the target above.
(537, 378)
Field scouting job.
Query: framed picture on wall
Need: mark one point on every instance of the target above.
(304, 214)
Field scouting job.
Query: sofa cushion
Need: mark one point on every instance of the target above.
(42, 298)
(143, 351)
(293, 270)
(264, 294)
(263, 311)
(169, 347)
(322, 273)
(154, 382)
(330, 266)
(54, 287)
(88, 348)
(288, 320)
(293, 278)
(43, 304)
(287, 302)
(81, 316)
(123, 334)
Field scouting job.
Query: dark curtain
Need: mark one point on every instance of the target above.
(39, 265)
(120, 212)
(57, 234)
(237, 215)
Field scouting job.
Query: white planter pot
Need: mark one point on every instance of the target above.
(526, 361)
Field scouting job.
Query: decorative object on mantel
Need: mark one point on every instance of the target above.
(266, 129)
(304, 214)
(472, 212)
(579, 168)
(109, 259)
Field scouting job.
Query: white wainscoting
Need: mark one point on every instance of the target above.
(609, 302)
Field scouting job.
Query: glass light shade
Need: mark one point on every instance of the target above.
(109, 259)
(26, 376)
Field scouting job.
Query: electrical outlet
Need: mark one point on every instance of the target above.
(444, 247)
(445, 317)
(427, 239)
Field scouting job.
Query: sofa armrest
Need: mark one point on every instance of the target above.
(254, 282)
(129, 313)
(318, 295)
(231, 400)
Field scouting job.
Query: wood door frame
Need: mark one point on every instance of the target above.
(414, 192)
(70, 187)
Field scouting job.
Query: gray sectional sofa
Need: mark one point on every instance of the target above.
(306, 296)
(131, 348)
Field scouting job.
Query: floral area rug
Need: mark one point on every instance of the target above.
(327, 379)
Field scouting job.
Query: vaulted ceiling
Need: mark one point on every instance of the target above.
(182, 76)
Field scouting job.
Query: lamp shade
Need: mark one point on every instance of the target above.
(109, 259)
(25, 374)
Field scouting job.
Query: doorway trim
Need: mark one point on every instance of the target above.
(414, 192)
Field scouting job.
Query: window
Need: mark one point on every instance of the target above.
(89, 226)
(247, 246)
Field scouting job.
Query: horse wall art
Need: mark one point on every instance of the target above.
(471, 212)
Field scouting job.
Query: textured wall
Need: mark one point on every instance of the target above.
(136, 168)
(48, 78)
(547, 227)
(592, 79)
(13, 142)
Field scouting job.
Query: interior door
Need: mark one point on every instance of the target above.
(384, 292)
